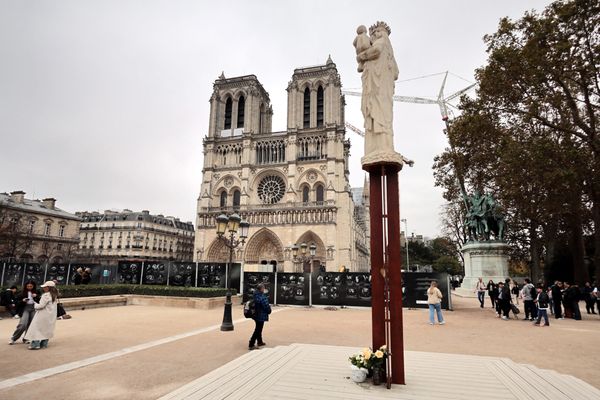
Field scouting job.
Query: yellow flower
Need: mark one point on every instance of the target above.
(379, 354)
(367, 353)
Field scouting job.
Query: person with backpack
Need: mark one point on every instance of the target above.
(262, 309)
(542, 302)
(529, 294)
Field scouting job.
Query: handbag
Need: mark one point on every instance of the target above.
(515, 309)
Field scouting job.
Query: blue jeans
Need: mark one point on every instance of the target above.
(481, 296)
(438, 308)
(542, 313)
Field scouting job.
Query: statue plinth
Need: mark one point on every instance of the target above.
(488, 260)
(382, 157)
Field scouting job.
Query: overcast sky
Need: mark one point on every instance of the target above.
(104, 104)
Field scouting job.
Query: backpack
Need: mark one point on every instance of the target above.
(250, 309)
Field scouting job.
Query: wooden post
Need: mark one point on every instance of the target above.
(377, 283)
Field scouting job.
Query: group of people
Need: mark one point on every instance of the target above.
(82, 276)
(561, 299)
(37, 312)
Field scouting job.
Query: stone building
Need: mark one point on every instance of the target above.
(115, 235)
(291, 186)
(36, 230)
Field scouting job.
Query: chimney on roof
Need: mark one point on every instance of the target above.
(18, 196)
(49, 203)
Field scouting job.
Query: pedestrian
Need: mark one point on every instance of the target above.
(434, 299)
(492, 292)
(571, 300)
(528, 294)
(9, 300)
(514, 290)
(590, 299)
(86, 276)
(505, 299)
(542, 303)
(28, 298)
(480, 290)
(78, 276)
(44, 320)
(263, 309)
(497, 289)
(557, 299)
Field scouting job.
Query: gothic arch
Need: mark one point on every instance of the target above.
(264, 245)
(309, 237)
(220, 185)
(239, 93)
(303, 178)
(253, 184)
(218, 252)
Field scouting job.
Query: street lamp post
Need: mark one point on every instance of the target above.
(303, 257)
(230, 224)
(406, 240)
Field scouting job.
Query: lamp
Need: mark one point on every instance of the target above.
(234, 223)
(295, 250)
(303, 247)
(222, 224)
(244, 227)
(313, 250)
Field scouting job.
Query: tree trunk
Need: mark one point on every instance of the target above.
(534, 250)
(580, 272)
(596, 218)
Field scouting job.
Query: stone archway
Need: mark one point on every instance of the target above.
(264, 245)
(309, 237)
(218, 252)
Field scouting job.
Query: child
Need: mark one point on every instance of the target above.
(542, 302)
(361, 43)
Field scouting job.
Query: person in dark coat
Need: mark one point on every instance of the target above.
(492, 292)
(571, 300)
(9, 300)
(26, 310)
(557, 299)
(78, 276)
(263, 309)
(590, 299)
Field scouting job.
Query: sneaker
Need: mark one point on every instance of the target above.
(26, 341)
(67, 316)
(252, 347)
(11, 342)
(33, 348)
(505, 318)
(442, 323)
(431, 323)
(17, 317)
(261, 344)
(546, 325)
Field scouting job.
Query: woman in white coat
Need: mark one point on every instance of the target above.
(42, 326)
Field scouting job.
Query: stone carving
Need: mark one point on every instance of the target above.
(216, 176)
(483, 218)
(228, 182)
(312, 176)
(379, 73)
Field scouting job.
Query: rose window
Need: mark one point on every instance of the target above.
(271, 189)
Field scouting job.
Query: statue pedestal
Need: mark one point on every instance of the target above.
(488, 260)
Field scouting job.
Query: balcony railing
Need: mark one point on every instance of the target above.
(270, 207)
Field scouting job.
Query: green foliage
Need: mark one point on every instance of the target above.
(107, 290)
(447, 264)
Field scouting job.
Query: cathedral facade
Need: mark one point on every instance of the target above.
(291, 186)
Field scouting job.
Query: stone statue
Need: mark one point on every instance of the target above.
(379, 71)
(483, 218)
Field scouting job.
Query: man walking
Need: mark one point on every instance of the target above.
(263, 309)
(480, 288)
(528, 293)
(541, 302)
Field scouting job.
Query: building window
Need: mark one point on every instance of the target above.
(61, 231)
(139, 224)
(306, 115)
(59, 247)
(320, 105)
(236, 198)
(31, 226)
(305, 194)
(240, 112)
(228, 108)
(320, 193)
(223, 199)
(47, 230)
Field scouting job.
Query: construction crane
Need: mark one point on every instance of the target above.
(441, 101)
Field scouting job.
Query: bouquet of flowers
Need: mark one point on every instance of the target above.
(369, 358)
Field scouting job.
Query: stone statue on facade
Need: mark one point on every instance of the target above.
(375, 58)
(483, 219)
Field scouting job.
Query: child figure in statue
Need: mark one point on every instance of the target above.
(361, 43)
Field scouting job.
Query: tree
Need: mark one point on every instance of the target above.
(530, 136)
(16, 238)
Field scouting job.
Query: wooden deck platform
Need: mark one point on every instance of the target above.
(304, 371)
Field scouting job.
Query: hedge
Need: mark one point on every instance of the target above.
(108, 290)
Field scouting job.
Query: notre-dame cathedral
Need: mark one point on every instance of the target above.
(291, 186)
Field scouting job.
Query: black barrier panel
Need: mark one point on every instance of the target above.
(155, 273)
(34, 272)
(182, 274)
(94, 270)
(58, 272)
(251, 281)
(236, 275)
(357, 289)
(327, 288)
(293, 288)
(415, 285)
(13, 274)
(211, 275)
(129, 272)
